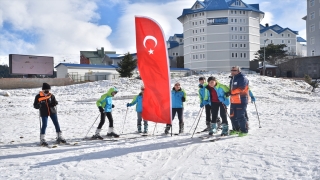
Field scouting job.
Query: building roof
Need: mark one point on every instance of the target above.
(276, 28)
(88, 66)
(173, 44)
(215, 5)
(268, 66)
(118, 56)
(179, 35)
(300, 39)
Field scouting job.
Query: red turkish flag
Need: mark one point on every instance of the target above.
(153, 65)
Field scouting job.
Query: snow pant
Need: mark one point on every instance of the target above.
(54, 119)
(238, 119)
(145, 123)
(208, 113)
(180, 113)
(246, 115)
(215, 106)
(103, 119)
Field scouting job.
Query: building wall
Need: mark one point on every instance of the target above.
(286, 37)
(218, 47)
(313, 28)
(301, 66)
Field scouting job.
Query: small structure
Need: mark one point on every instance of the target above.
(270, 70)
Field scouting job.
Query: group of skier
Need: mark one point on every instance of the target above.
(214, 97)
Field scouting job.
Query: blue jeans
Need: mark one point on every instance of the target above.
(54, 119)
(238, 119)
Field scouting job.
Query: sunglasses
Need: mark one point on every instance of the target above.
(142, 89)
(234, 70)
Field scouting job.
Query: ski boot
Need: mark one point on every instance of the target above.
(225, 130)
(43, 141)
(145, 131)
(60, 139)
(166, 131)
(139, 129)
(97, 135)
(213, 129)
(111, 133)
(181, 127)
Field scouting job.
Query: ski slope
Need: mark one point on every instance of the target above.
(286, 147)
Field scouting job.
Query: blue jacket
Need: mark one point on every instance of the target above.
(239, 87)
(137, 100)
(221, 90)
(176, 98)
(106, 100)
(204, 95)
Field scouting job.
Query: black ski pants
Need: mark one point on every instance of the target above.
(215, 106)
(103, 119)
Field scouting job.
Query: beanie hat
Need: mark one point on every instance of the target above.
(45, 86)
(211, 78)
(201, 78)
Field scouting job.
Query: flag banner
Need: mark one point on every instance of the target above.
(153, 66)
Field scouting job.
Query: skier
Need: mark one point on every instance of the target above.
(239, 92)
(105, 107)
(218, 101)
(46, 103)
(178, 96)
(204, 96)
(138, 100)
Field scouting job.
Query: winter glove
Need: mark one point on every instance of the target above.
(183, 99)
(200, 86)
(112, 106)
(54, 103)
(101, 109)
(227, 94)
(128, 104)
(37, 106)
(201, 105)
(253, 99)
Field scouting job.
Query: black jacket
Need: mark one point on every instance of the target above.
(46, 104)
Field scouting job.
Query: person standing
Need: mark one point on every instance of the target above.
(204, 96)
(105, 107)
(219, 100)
(239, 97)
(178, 97)
(138, 100)
(46, 103)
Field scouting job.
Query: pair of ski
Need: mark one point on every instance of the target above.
(210, 138)
(62, 144)
(122, 138)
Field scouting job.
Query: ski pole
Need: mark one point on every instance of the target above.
(91, 126)
(154, 129)
(195, 119)
(124, 121)
(40, 124)
(197, 124)
(257, 113)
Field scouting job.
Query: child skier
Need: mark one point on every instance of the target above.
(46, 103)
(105, 107)
(138, 100)
(205, 102)
(178, 96)
(218, 101)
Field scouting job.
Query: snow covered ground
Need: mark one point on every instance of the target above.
(286, 147)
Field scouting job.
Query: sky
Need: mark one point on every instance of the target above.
(70, 26)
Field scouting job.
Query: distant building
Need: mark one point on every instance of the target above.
(97, 57)
(313, 27)
(175, 48)
(219, 34)
(277, 35)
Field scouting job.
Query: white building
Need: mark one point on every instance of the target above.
(219, 34)
(277, 35)
(175, 48)
(313, 27)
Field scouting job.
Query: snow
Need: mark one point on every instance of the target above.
(286, 147)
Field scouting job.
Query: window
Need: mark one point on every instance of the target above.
(236, 54)
(232, 55)
(289, 41)
(235, 20)
(237, 3)
(200, 56)
(231, 12)
(311, 3)
(288, 35)
(282, 35)
(192, 31)
(192, 23)
(196, 31)
(244, 55)
(282, 41)
(240, 37)
(312, 40)
(236, 45)
(240, 53)
(312, 28)
(240, 20)
(244, 37)
(235, 12)
(244, 12)
(203, 56)
(265, 34)
(235, 28)
(271, 41)
(240, 28)
(232, 45)
(241, 45)
(312, 15)
(232, 20)
(289, 48)
(271, 35)
(312, 53)
(200, 30)
(244, 45)
(231, 28)
(196, 39)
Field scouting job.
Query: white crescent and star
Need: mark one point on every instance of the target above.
(151, 38)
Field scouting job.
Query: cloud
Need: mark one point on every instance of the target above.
(165, 14)
(66, 26)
